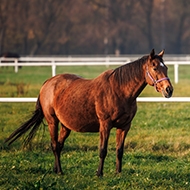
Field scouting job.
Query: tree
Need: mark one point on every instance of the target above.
(179, 39)
(94, 26)
(3, 22)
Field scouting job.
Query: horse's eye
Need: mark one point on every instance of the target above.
(154, 69)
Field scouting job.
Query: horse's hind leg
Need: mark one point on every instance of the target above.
(64, 133)
(57, 143)
(53, 129)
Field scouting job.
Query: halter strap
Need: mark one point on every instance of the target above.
(153, 80)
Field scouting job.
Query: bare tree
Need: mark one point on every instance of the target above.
(94, 26)
(3, 22)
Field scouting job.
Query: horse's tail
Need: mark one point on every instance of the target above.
(32, 124)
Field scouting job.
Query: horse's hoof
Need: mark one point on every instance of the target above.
(55, 169)
(58, 171)
(99, 174)
(117, 173)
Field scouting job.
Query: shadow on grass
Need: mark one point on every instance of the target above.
(46, 147)
(80, 148)
(155, 157)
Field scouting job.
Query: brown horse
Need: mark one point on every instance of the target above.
(96, 105)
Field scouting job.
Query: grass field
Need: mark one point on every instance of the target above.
(157, 148)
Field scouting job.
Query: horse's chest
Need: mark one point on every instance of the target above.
(122, 120)
(124, 117)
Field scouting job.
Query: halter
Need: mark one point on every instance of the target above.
(153, 80)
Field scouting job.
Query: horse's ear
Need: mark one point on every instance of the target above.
(161, 53)
(152, 54)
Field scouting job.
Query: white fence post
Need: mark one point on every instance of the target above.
(107, 61)
(16, 66)
(53, 68)
(176, 73)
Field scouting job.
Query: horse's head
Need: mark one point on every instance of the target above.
(156, 74)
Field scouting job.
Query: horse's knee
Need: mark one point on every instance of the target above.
(56, 147)
(103, 153)
(120, 153)
(53, 146)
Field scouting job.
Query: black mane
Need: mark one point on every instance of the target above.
(129, 71)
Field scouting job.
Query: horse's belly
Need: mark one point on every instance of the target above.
(75, 107)
(91, 127)
(78, 119)
(81, 125)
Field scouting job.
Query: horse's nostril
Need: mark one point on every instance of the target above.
(169, 90)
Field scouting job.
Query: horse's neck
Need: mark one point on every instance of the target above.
(139, 88)
(132, 89)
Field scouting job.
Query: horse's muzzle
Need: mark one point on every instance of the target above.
(167, 92)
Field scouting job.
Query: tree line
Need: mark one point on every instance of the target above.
(67, 27)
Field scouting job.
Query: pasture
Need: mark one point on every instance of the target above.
(156, 153)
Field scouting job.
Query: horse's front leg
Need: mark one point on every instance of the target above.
(121, 134)
(105, 128)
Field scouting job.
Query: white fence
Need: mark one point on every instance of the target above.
(82, 61)
(139, 99)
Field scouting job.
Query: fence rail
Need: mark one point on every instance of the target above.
(139, 99)
(81, 61)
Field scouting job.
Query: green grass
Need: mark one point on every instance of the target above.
(157, 147)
